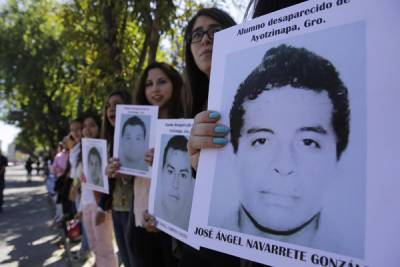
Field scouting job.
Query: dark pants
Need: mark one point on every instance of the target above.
(120, 220)
(2, 186)
(206, 257)
(153, 249)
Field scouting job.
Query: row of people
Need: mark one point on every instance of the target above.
(125, 208)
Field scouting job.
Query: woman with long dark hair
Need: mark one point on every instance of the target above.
(100, 236)
(205, 133)
(199, 37)
(160, 85)
(120, 198)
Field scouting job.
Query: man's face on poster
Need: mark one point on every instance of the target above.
(286, 156)
(95, 168)
(177, 182)
(132, 144)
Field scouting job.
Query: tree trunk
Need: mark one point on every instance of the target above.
(154, 37)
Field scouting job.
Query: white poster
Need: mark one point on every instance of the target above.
(134, 135)
(172, 182)
(301, 181)
(94, 160)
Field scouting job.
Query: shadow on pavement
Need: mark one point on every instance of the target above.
(26, 237)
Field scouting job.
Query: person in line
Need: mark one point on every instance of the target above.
(3, 165)
(199, 37)
(74, 196)
(100, 236)
(161, 85)
(207, 132)
(121, 193)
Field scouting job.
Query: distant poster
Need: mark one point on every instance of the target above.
(133, 136)
(172, 185)
(94, 160)
(296, 184)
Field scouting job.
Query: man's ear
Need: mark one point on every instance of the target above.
(234, 157)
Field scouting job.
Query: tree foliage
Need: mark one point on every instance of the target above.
(58, 58)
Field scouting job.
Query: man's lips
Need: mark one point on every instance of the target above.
(174, 197)
(279, 199)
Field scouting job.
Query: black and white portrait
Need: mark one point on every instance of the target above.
(175, 182)
(134, 135)
(133, 141)
(172, 180)
(94, 159)
(295, 164)
(95, 167)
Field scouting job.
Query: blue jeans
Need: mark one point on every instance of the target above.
(85, 242)
(120, 220)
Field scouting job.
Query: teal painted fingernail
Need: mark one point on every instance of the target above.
(221, 129)
(219, 141)
(213, 115)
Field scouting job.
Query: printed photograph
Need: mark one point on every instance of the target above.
(94, 159)
(296, 158)
(95, 167)
(175, 182)
(134, 141)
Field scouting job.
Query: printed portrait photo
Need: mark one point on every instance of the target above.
(296, 158)
(134, 141)
(95, 167)
(175, 182)
(94, 159)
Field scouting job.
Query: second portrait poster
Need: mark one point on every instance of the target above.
(134, 135)
(173, 181)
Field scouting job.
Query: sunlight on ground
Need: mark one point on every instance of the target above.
(43, 240)
(56, 256)
(5, 251)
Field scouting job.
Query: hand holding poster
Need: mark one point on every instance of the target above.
(94, 160)
(172, 184)
(134, 135)
(294, 91)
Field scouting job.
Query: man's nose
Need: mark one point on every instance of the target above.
(284, 161)
(175, 182)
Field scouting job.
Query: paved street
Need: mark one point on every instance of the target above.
(26, 238)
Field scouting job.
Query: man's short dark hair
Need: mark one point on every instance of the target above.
(297, 67)
(132, 121)
(178, 142)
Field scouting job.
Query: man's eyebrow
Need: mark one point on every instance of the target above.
(257, 130)
(185, 170)
(170, 166)
(315, 129)
(209, 26)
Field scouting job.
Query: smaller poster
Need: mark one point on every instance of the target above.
(94, 159)
(134, 134)
(172, 186)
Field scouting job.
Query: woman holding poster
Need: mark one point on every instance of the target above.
(160, 85)
(120, 185)
(206, 132)
(100, 236)
(199, 39)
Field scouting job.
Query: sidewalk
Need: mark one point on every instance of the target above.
(27, 237)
